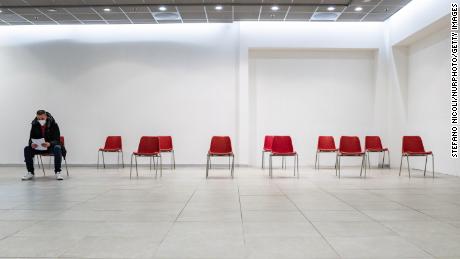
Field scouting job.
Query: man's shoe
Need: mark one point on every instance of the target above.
(28, 176)
(59, 176)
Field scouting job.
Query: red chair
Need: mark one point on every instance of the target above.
(373, 144)
(413, 146)
(221, 146)
(166, 146)
(282, 146)
(268, 141)
(148, 147)
(326, 144)
(351, 146)
(64, 155)
(112, 144)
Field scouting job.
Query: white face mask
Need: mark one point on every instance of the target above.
(42, 122)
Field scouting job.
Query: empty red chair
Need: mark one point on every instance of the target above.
(351, 146)
(326, 144)
(64, 155)
(282, 146)
(221, 146)
(148, 147)
(166, 146)
(413, 146)
(373, 144)
(113, 144)
(268, 141)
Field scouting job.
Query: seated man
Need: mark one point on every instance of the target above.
(43, 126)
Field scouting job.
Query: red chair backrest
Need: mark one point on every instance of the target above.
(62, 140)
(149, 145)
(412, 144)
(373, 142)
(165, 142)
(350, 144)
(326, 143)
(113, 142)
(282, 144)
(221, 144)
(268, 142)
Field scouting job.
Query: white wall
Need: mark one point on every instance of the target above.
(307, 93)
(119, 80)
(426, 104)
(418, 75)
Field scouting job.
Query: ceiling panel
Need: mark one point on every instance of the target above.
(20, 12)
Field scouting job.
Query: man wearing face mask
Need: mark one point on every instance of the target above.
(44, 126)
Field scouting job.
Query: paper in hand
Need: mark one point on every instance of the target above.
(39, 142)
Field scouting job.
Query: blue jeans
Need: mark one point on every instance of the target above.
(29, 154)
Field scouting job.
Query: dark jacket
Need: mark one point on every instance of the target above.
(52, 133)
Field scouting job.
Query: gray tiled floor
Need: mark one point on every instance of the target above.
(104, 214)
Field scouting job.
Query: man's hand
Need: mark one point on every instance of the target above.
(46, 144)
(34, 145)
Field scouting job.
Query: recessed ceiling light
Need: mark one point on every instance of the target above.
(366, 1)
(1, 11)
(52, 10)
(107, 9)
(275, 8)
(358, 9)
(162, 8)
(218, 7)
(331, 8)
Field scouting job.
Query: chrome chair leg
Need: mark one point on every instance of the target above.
(66, 168)
(103, 160)
(270, 170)
(150, 164)
(400, 165)
(131, 167)
(336, 162)
(207, 165)
(426, 160)
(339, 166)
(233, 165)
(137, 172)
(296, 165)
(43, 167)
(316, 159)
(408, 165)
(97, 167)
(432, 161)
(174, 159)
(122, 159)
(263, 159)
(383, 160)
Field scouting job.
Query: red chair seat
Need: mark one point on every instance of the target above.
(376, 149)
(110, 149)
(351, 153)
(220, 154)
(328, 150)
(284, 153)
(418, 153)
(146, 154)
